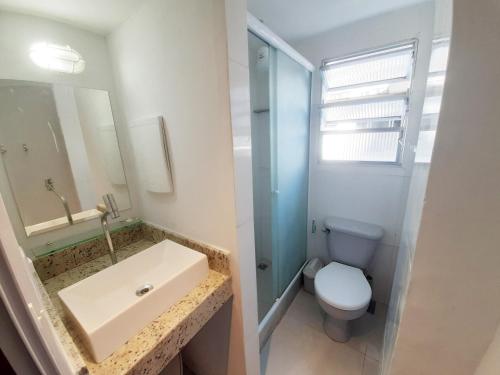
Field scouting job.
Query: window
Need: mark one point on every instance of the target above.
(364, 104)
(432, 102)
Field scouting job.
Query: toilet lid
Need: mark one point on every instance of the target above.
(343, 287)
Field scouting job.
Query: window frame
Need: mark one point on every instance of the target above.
(403, 128)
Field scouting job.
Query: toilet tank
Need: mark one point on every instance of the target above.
(352, 242)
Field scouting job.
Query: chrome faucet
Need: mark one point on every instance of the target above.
(109, 209)
(49, 184)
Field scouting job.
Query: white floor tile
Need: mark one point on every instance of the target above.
(300, 349)
(299, 345)
(305, 310)
(368, 332)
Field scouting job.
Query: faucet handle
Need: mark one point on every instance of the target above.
(111, 206)
(101, 208)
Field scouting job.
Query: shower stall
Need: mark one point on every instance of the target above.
(280, 86)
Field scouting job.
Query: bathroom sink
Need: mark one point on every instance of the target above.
(115, 304)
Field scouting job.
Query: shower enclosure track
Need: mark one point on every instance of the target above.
(279, 307)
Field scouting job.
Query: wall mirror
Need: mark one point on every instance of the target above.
(60, 153)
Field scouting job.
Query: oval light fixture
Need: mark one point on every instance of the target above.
(58, 58)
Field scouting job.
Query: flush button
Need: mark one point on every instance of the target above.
(142, 290)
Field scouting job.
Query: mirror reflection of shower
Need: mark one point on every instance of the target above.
(64, 133)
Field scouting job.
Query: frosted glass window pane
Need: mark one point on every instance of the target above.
(379, 68)
(383, 123)
(429, 121)
(439, 58)
(364, 104)
(380, 147)
(425, 146)
(389, 108)
(436, 80)
(432, 105)
(366, 91)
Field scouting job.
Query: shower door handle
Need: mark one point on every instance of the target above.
(276, 192)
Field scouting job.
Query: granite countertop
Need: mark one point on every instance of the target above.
(151, 349)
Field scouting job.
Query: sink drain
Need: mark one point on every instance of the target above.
(142, 290)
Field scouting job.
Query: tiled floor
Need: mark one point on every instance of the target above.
(299, 345)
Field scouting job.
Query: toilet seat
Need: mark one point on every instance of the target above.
(343, 287)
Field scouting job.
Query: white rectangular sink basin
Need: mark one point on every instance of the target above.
(108, 307)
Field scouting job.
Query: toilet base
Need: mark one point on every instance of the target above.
(338, 330)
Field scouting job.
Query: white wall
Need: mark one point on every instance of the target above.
(453, 303)
(490, 363)
(374, 194)
(243, 267)
(414, 206)
(171, 59)
(17, 34)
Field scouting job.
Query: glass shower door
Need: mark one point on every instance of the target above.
(259, 66)
(290, 106)
(279, 96)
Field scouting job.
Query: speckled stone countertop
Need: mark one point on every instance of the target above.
(150, 350)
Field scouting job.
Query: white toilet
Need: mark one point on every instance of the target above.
(341, 287)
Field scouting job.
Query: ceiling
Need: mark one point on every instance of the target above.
(290, 19)
(297, 19)
(100, 16)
